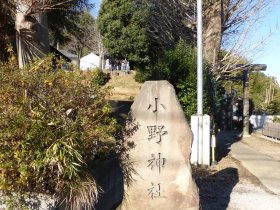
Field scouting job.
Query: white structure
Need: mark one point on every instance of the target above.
(258, 121)
(107, 64)
(201, 146)
(90, 61)
(125, 65)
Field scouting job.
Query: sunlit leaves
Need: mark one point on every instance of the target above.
(52, 123)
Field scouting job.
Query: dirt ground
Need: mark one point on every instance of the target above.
(228, 185)
(264, 145)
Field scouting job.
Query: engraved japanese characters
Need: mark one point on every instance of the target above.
(162, 145)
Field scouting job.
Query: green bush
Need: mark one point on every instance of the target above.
(142, 76)
(178, 66)
(274, 107)
(100, 77)
(52, 124)
(276, 119)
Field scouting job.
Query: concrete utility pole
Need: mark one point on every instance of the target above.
(199, 60)
(200, 80)
(200, 124)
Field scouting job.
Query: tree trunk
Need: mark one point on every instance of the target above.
(32, 34)
(214, 13)
(101, 55)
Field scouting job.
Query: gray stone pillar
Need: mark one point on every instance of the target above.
(162, 140)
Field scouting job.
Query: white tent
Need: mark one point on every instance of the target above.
(89, 61)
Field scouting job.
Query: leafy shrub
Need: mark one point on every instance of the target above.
(52, 124)
(100, 78)
(274, 107)
(142, 76)
(276, 119)
(178, 66)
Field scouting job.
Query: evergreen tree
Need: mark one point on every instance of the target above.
(63, 22)
(274, 106)
(84, 36)
(140, 30)
(122, 24)
(7, 30)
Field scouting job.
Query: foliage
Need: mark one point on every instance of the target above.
(143, 75)
(276, 119)
(62, 17)
(100, 77)
(7, 30)
(258, 85)
(62, 20)
(187, 93)
(261, 89)
(178, 66)
(274, 106)
(122, 24)
(52, 124)
(83, 35)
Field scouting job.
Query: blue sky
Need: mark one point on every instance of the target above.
(269, 52)
(96, 8)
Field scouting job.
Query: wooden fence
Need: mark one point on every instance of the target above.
(272, 130)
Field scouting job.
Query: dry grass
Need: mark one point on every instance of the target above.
(124, 86)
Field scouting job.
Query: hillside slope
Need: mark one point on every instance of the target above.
(125, 88)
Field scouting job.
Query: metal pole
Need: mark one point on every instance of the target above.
(199, 60)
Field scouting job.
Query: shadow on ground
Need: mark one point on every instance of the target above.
(120, 110)
(109, 176)
(215, 187)
(225, 139)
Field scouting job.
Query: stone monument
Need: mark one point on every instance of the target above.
(161, 153)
